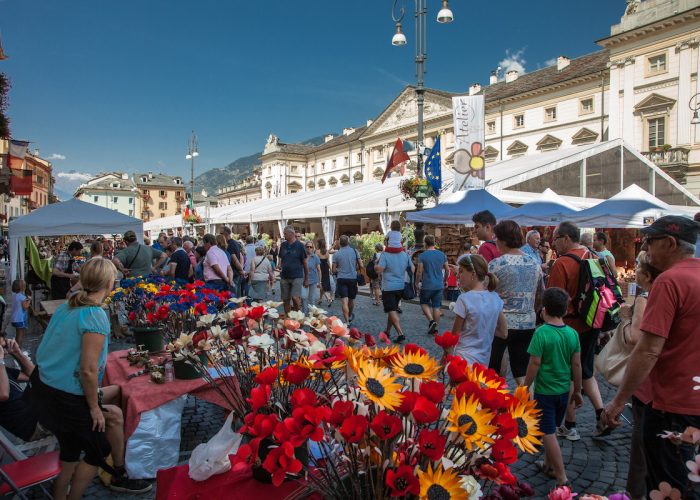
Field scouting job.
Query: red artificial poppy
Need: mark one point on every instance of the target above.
(198, 284)
(305, 423)
(246, 456)
(467, 389)
(402, 481)
(355, 333)
(504, 451)
(408, 401)
(432, 390)
(268, 375)
(150, 318)
(163, 312)
(507, 426)
(259, 425)
(504, 475)
(492, 399)
(341, 411)
(303, 397)
(414, 349)
(132, 316)
(236, 332)
(457, 369)
(280, 462)
(256, 313)
(425, 411)
(200, 308)
(259, 397)
(199, 337)
(431, 444)
(386, 426)
(488, 471)
(150, 305)
(224, 296)
(323, 359)
(369, 340)
(508, 492)
(354, 428)
(296, 374)
(447, 340)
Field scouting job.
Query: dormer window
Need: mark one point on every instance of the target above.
(144, 178)
(115, 185)
(178, 181)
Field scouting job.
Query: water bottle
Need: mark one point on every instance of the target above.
(169, 372)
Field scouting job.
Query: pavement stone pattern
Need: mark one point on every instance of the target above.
(593, 466)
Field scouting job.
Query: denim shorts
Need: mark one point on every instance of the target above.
(19, 324)
(553, 410)
(433, 298)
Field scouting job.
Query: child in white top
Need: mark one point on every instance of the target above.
(478, 311)
(393, 240)
(20, 304)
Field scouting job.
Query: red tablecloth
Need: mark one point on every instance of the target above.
(141, 394)
(175, 483)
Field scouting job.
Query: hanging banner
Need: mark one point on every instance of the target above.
(469, 163)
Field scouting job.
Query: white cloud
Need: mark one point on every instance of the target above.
(550, 62)
(57, 156)
(74, 176)
(514, 61)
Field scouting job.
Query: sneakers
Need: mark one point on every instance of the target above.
(400, 339)
(398, 310)
(570, 434)
(432, 328)
(351, 318)
(128, 485)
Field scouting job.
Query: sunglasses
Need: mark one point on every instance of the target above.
(649, 239)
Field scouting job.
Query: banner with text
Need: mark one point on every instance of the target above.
(469, 163)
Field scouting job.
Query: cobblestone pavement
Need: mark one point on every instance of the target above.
(594, 466)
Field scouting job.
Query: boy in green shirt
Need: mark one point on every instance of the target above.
(555, 360)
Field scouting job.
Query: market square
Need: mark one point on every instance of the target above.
(488, 290)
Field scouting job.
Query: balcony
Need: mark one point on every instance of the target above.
(673, 161)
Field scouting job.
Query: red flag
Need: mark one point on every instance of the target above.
(21, 182)
(398, 157)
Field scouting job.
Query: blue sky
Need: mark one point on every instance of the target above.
(119, 85)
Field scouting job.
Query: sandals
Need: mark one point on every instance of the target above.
(545, 469)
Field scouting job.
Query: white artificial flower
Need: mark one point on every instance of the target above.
(217, 331)
(206, 320)
(261, 341)
(299, 338)
(697, 380)
(451, 307)
(315, 311)
(472, 487)
(237, 300)
(271, 304)
(272, 313)
(183, 341)
(317, 346)
(296, 316)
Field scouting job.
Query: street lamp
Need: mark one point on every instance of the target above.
(694, 105)
(444, 16)
(192, 153)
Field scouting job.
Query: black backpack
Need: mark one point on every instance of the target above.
(369, 269)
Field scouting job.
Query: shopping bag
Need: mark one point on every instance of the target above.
(612, 360)
(211, 458)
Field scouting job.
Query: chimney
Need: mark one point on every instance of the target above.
(369, 122)
(475, 89)
(511, 76)
(562, 62)
(125, 176)
(328, 138)
(348, 131)
(150, 175)
(494, 78)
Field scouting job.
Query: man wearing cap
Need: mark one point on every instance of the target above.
(667, 353)
(137, 259)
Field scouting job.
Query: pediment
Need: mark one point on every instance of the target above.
(403, 111)
(655, 102)
(517, 147)
(548, 143)
(490, 152)
(584, 136)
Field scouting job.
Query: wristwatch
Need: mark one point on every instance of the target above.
(2, 362)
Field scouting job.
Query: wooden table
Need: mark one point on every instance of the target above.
(50, 306)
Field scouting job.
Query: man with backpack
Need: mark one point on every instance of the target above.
(431, 277)
(484, 223)
(565, 274)
(375, 281)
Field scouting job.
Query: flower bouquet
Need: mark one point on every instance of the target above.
(416, 187)
(191, 216)
(361, 420)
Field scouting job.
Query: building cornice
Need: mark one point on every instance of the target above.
(653, 27)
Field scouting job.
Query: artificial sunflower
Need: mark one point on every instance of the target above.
(527, 418)
(355, 357)
(486, 378)
(415, 365)
(378, 385)
(382, 353)
(440, 484)
(472, 424)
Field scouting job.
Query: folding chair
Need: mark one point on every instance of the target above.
(24, 473)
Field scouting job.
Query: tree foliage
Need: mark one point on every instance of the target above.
(4, 120)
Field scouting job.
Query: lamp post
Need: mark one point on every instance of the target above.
(694, 105)
(399, 39)
(192, 153)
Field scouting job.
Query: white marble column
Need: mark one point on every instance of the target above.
(628, 102)
(697, 90)
(614, 103)
(683, 115)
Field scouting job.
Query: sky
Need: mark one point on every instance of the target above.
(120, 85)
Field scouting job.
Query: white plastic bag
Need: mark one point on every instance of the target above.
(212, 457)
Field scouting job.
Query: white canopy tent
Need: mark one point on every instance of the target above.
(546, 210)
(66, 218)
(631, 208)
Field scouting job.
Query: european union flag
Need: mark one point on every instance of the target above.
(433, 168)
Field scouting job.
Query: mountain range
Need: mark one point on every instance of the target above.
(236, 171)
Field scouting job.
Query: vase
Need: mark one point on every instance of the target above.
(150, 337)
(261, 474)
(186, 371)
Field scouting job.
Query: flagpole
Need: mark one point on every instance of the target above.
(191, 154)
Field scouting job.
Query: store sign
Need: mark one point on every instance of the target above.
(648, 221)
(469, 163)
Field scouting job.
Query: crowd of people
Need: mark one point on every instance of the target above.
(515, 292)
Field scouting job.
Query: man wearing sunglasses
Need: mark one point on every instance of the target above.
(667, 353)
